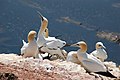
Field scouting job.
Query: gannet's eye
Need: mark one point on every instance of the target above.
(64, 43)
(99, 45)
(77, 44)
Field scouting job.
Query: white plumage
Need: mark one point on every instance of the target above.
(72, 57)
(30, 49)
(100, 53)
(89, 62)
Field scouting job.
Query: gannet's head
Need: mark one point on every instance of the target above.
(81, 45)
(44, 22)
(56, 43)
(46, 33)
(31, 36)
(59, 43)
(100, 45)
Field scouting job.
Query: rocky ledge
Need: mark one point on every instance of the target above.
(14, 67)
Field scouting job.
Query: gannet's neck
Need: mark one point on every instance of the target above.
(30, 39)
(41, 31)
(41, 40)
(99, 49)
(46, 33)
(44, 25)
(81, 55)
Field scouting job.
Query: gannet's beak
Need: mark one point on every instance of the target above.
(40, 15)
(103, 47)
(75, 45)
(66, 45)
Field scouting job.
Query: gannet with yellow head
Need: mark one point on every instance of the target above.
(30, 49)
(47, 44)
(40, 38)
(89, 62)
(43, 39)
(100, 52)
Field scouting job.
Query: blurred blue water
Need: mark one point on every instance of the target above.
(18, 17)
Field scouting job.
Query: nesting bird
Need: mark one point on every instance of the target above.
(46, 43)
(30, 49)
(100, 52)
(89, 62)
(72, 57)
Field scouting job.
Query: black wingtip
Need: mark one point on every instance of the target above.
(107, 74)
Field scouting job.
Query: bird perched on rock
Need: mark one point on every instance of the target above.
(100, 52)
(30, 49)
(89, 62)
(72, 57)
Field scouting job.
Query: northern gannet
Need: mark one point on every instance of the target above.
(100, 53)
(52, 41)
(89, 62)
(40, 38)
(52, 46)
(30, 49)
(72, 57)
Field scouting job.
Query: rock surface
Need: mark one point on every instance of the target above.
(18, 68)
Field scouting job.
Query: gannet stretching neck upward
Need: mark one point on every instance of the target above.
(89, 62)
(100, 53)
(49, 45)
(42, 40)
(30, 49)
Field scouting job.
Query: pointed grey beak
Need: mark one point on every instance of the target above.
(67, 45)
(40, 15)
(103, 46)
(74, 45)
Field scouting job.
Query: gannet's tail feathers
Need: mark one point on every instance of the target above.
(23, 48)
(24, 42)
(107, 74)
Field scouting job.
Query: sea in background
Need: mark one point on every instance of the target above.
(18, 17)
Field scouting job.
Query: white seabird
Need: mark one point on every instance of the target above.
(30, 49)
(89, 62)
(72, 57)
(100, 52)
(52, 46)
